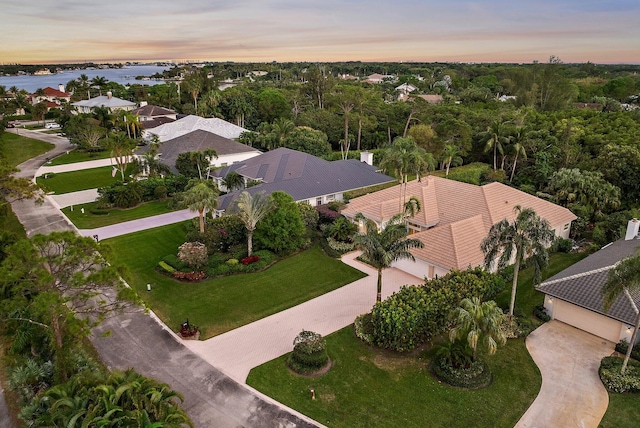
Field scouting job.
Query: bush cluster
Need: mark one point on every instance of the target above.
(561, 245)
(193, 254)
(614, 381)
(189, 276)
(416, 313)
(222, 266)
(166, 267)
(474, 375)
(623, 346)
(249, 260)
(541, 313)
(326, 215)
(309, 353)
(222, 234)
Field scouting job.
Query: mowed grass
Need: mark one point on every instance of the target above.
(78, 156)
(16, 149)
(222, 304)
(367, 387)
(66, 182)
(114, 216)
(527, 297)
(623, 411)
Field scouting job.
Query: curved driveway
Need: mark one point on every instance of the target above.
(572, 394)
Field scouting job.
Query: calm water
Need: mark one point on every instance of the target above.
(123, 76)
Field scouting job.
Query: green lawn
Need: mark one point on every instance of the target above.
(78, 156)
(17, 149)
(374, 388)
(623, 411)
(527, 297)
(116, 215)
(66, 182)
(222, 304)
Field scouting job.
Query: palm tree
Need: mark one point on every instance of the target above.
(495, 138)
(518, 149)
(412, 207)
(199, 195)
(382, 247)
(451, 156)
(251, 209)
(233, 181)
(121, 148)
(528, 236)
(281, 129)
(475, 320)
(203, 160)
(623, 278)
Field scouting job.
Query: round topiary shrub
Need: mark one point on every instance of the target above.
(472, 375)
(309, 353)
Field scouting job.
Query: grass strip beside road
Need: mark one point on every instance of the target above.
(16, 149)
(88, 220)
(67, 182)
(221, 304)
(78, 156)
(368, 387)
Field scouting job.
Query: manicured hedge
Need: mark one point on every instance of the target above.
(416, 313)
(614, 381)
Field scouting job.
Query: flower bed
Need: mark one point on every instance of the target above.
(249, 260)
(189, 276)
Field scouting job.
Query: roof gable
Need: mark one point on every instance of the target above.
(191, 123)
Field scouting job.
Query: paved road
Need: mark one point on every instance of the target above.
(238, 351)
(572, 394)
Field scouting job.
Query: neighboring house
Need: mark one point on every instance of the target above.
(454, 219)
(228, 151)
(303, 176)
(148, 112)
(376, 78)
(108, 101)
(574, 296)
(54, 96)
(169, 131)
(406, 88)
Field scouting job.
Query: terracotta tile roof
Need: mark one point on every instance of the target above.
(455, 216)
(52, 92)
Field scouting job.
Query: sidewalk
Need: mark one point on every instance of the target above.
(238, 351)
(138, 225)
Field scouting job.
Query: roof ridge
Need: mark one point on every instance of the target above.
(578, 275)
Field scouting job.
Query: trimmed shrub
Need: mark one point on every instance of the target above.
(614, 381)
(541, 313)
(98, 211)
(474, 375)
(160, 192)
(326, 215)
(562, 245)
(232, 261)
(309, 353)
(336, 206)
(173, 261)
(623, 346)
(363, 328)
(193, 254)
(249, 260)
(166, 267)
(416, 313)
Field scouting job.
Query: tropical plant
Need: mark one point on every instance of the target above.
(251, 209)
(121, 148)
(495, 138)
(527, 236)
(474, 321)
(380, 248)
(623, 278)
(199, 195)
(233, 181)
(451, 156)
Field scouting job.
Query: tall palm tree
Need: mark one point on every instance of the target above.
(476, 320)
(382, 247)
(251, 209)
(623, 278)
(121, 148)
(527, 236)
(281, 129)
(451, 156)
(518, 149)
(199, 195)
(495, 138)
(203, 160)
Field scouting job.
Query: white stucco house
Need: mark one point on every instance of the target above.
(187, 124)
(108, 101)
(454, 219)
(574, 296)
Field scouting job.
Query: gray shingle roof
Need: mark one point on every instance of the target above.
(581, 283)
(196, 141)
(302, 175)
(151, 110)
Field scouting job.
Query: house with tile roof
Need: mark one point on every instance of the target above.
(303, 176)
(228, 151)
(454, 219)
(574, 296)
(52, 96)
(109, 101)
(169, 131)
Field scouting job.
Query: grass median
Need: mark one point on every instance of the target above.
(89, 220)
(74, 181)
(221, 304)
(78, 156)
(16, 149)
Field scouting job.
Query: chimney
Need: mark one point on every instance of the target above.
(61, 87)
(366, 157)
(109, 94)
(632, 229)
(143, 103)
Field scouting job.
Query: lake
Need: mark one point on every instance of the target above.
(123, 76)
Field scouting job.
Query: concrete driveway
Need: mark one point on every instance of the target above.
(572, 394)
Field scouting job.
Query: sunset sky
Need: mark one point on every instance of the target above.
(58, 31)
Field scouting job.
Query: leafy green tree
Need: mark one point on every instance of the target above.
(251, 209)
(526, 237)
(282, 230)
(381, 247)
(194, 164)
(475, 321)
(620, 165)
(623, 278)
(272, 104)
(199, 195)
(51, 274)
(39, 110)
(308, 140)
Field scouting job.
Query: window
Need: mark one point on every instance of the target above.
(331, 198)
(319, 201)
(566, 226)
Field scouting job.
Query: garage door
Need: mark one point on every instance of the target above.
(586, 320)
